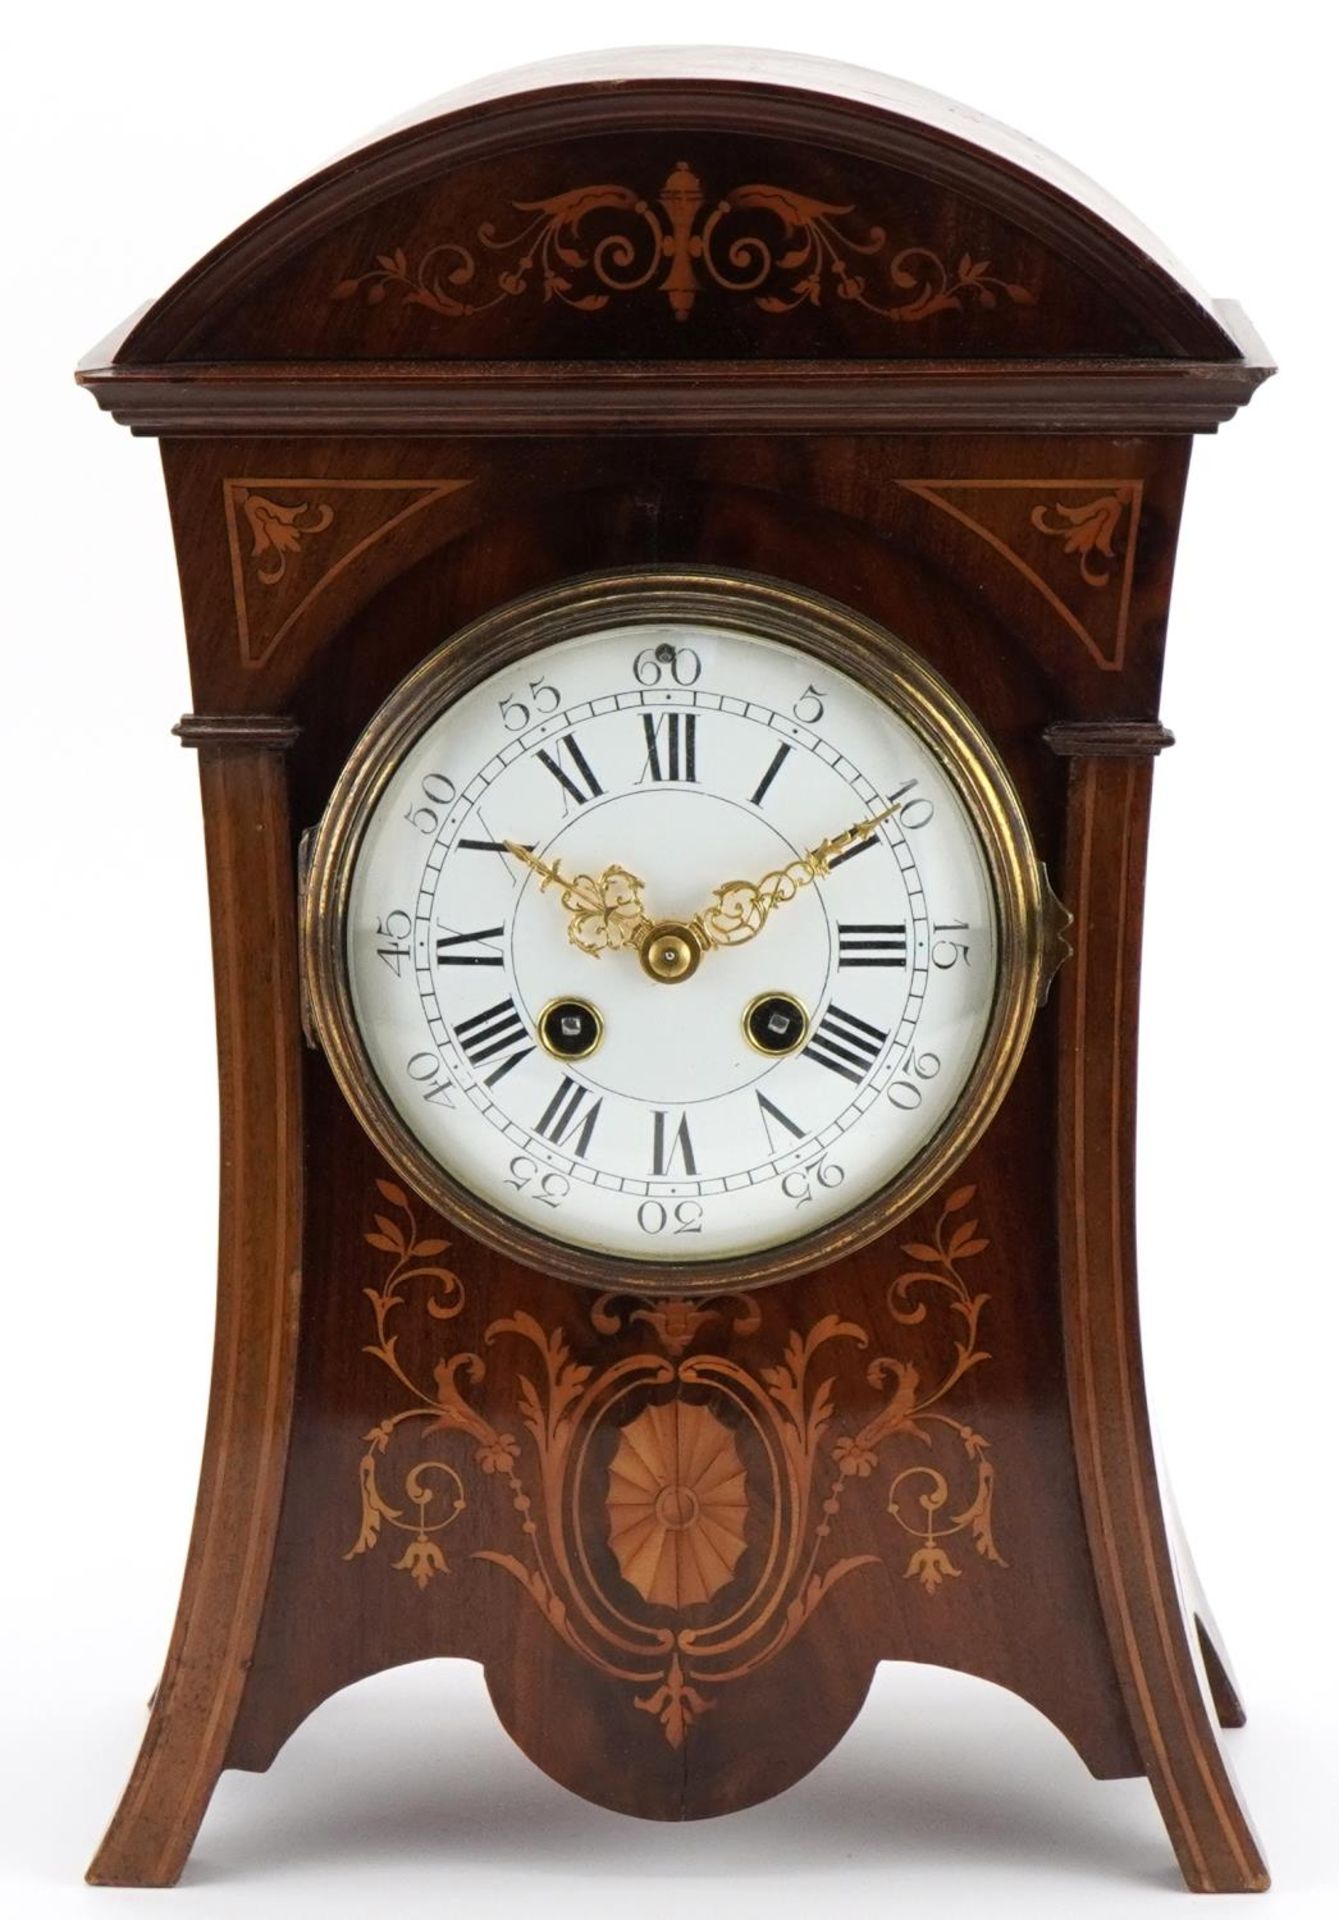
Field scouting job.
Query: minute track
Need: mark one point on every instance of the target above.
(671, 816)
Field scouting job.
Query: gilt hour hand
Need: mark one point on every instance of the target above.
(740, 909)
(605, 914)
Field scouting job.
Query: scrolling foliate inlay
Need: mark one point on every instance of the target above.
(782, 248)
(289, 539)
(1072, 540)
(676, 1318)
(278, 531)
(673, 1511)
(1088, 531)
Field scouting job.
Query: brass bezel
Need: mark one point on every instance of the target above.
(569, 1000)
(759, 607)
(776, 993)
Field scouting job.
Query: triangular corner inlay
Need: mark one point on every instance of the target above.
(1073, 540)
(288, 538)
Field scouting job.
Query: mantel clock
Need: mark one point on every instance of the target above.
(676, 553)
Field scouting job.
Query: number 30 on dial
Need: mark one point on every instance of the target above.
(698, 927)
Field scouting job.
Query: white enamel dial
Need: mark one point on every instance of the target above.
(690, 755)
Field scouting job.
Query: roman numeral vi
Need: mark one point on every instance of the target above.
(667, 1144)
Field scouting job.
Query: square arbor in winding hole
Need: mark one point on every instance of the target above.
(801, 402)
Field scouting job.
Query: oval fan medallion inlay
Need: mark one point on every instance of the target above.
(677, 1503)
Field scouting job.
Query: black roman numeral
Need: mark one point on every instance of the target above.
(911, 813)
(490, 957)
(863, 945)
(564, 1117)
(510, 864)
(769, 1113)
(667, 1144)
(485, 1035)
(584, 786)
(679, 760)
(845, 1043)
(777, 762)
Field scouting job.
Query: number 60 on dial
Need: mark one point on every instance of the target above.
(684, 927)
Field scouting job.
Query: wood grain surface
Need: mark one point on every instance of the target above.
(955, 395)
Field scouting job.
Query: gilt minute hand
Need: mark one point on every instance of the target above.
(605, 914)
(740, 909)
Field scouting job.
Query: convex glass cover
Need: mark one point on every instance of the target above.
(690, 922)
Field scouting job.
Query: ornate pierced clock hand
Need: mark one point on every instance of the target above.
(740, 909)
(605, 914)
(827, 851)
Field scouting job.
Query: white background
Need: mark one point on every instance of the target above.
(136, 136)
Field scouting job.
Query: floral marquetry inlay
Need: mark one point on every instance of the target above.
(1073, 541)
(278, 531)
(588, 245)
(721, 1486)
(1089, 531)
(291, 538)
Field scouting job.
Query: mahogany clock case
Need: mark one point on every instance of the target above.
(692, 318)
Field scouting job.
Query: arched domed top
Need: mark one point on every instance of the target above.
(686, 206)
